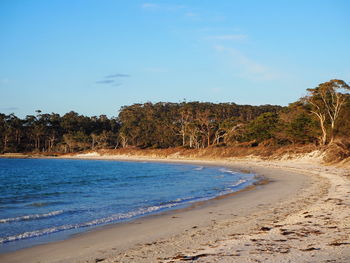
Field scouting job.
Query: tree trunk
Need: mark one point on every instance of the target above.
(322, 119)
(93, 142)
(332, 132)
(5, 142)
(208, 137)
(18, 138)
(324, 132)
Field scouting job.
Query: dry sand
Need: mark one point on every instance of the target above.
(302, 215)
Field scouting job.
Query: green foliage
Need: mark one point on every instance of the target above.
(326, 102)
(302, 129)
(343, 128)
(193, 124)
(51, 132)
(263, 127)
(297, 125)
(186, 124)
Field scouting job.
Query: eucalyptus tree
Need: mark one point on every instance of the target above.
(297, 125)
(7, 129)
(263, 127)
(326, 101)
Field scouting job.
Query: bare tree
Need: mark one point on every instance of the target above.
(185, 120)
(205, 120)
(124, 140)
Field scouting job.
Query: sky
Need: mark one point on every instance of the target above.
(95, 56)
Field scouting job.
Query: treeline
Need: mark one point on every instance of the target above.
(54, 133)
(319, 118)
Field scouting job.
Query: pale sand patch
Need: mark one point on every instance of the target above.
(87, 155)
(301, 216)
(319, 232)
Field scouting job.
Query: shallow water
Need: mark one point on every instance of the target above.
(43, 200)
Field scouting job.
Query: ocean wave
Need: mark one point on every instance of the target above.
(178, 200)
(200, 168)
(100, 221)
(239, 182)
(233, 187)
(225, 170)
(30, 217)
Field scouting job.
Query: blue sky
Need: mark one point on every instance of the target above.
(94, 56)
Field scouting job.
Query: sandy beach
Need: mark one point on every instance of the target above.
(301, 215)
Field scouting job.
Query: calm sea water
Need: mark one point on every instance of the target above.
(44, 200)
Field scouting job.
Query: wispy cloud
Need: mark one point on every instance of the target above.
(162, 7)
(149, 6)
(233, 37)
(247, 67)
(219, 29)
(105, 81)
(192, 15)
(117, 75)
(112, 80)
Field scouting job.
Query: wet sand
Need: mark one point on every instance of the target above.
(302, 215)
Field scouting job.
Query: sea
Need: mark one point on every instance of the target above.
(45, 200)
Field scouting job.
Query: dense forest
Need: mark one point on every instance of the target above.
(322, 117)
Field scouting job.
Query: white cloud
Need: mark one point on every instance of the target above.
(247, 67)
(191, 14)
(149, 6)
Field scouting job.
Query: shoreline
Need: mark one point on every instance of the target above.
(256, 181)
(190, 228)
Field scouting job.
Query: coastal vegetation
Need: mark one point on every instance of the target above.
(320, 118)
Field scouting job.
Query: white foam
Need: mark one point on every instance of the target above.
(105, 220)
(225, 170)
(30, 217)
(239, 182)
(200, 168)
(183, 199)
(109, 219)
